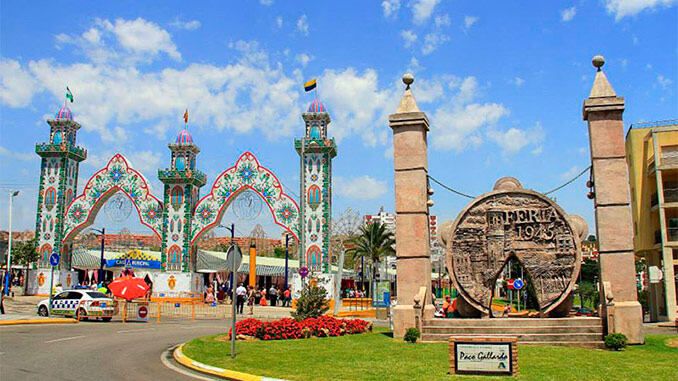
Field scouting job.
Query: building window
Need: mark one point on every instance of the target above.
(177, 197)
(50, 198)
(58, 137)
(180, 163)
(313, 196)
(69, 196)
(174, 258)
(315, 132)
(314, 257)
(45, 252)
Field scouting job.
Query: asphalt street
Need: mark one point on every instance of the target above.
(96, 350)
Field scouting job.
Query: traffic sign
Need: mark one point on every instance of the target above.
(234, 253)
(54, 259)
(518, 284)
(510, 284)
(142, 312)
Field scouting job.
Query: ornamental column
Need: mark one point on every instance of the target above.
(614, 225)
(410, 160)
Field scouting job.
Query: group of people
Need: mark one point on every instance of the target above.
(447, 309)
(251, 296)
(354, 293)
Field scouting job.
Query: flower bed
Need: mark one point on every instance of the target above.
(285, 329)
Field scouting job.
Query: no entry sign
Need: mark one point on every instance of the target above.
(142, 313)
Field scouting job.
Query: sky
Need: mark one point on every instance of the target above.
(502, 84)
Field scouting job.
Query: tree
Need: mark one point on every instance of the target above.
(373, 243)
(25, 252)
(590, 270)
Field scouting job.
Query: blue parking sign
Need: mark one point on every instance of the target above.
(54, 259)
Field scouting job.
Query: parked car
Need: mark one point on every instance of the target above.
(81, 304)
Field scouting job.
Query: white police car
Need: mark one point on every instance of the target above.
(82, 304)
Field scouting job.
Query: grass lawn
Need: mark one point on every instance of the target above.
(377, 356)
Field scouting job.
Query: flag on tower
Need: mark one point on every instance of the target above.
(69, 95)
(310, 85)
(186, 116)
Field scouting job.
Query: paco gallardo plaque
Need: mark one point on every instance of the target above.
(512, 222)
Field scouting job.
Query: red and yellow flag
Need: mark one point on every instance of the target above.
(186, 116)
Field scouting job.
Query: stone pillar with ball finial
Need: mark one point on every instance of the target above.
(410, 160)
(603, 110)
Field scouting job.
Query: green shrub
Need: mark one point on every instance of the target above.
(412, 335)
(616, 341)
(311, 303)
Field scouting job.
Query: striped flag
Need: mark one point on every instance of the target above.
(69, 95)
(310, 85)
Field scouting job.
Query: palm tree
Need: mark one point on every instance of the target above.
(373, 243)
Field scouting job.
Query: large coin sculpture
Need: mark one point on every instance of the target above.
(511, 222)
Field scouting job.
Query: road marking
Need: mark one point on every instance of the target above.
(136, 330)
(64, 339)
(200, 326)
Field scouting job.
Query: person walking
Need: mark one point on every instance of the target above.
(287, 297)
(273, 295)
(250, 299)
(240, 293)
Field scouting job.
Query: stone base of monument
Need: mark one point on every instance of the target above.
(579, 331)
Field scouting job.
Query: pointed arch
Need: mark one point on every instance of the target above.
(117, 175)
(246, 174)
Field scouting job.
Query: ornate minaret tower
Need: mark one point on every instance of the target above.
(182, 190)
(58, 184)
(316, 152)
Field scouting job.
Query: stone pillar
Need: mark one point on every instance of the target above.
(614, 225)
(410, 127)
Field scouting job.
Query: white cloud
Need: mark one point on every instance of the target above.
(186, 25)
(414, 65)
(142, 36)
(517, 82)
(304, 59)
(624, 8)
(302, 24)
(21, 156)
(279, 22)
(469, 21)
(357, 105)
(17, 86)
(460, 121)
(390, 8)
(570, 173)
(422, 10)
(409, 37)
(441, 21)
(360, 188)
(568, 14)
(513, 139)
(432, 41)
(664, 82)
(266, 2)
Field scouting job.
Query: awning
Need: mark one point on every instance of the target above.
(84, 259)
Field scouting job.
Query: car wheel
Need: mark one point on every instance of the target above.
(81, 314)
(107, 319)
(43, 311)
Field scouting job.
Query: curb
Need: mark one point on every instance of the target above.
(186, 361)
(38, 321)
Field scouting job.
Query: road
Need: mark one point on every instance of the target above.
(96, 350)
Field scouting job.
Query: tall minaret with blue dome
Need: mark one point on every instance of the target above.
(316, 152)
(182, 191)
(60, 161)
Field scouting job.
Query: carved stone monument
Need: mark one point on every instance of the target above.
(511, 222)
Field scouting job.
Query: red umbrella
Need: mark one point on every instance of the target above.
(128, 287)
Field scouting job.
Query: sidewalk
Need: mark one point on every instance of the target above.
(22, 318)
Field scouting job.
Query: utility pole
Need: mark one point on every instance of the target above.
(8, 275)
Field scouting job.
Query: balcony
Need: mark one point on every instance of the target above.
(73, 152)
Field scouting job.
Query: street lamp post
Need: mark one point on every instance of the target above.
(287, 258)
(102, 261)
(12, 194)
(234, 271)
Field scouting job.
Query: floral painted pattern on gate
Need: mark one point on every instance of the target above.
(247, 173)
(117, 176)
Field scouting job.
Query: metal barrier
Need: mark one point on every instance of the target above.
(357, 304)
(143, 310)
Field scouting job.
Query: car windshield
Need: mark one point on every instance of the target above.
(96, 295)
